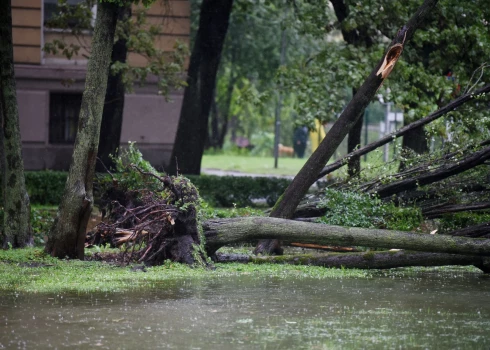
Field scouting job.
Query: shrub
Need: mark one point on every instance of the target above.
(46, 188)
(364, 210)
(41, 221)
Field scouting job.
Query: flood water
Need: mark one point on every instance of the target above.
(425, 311)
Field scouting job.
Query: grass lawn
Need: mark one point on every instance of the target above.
(253, 165)
(30, 270)
(286, 166)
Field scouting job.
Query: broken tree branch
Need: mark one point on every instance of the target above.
(288, 202)
(480, 231)
(388, 138)
(461, 165)
(437, 211)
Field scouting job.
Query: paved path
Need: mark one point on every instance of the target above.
(217, 172)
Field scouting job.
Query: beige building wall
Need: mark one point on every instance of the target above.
(148, 118)
(27, 30)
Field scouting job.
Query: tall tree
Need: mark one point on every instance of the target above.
(201, 80)
(16, 230)
(358, 37)
(67, 236)
(112, 116)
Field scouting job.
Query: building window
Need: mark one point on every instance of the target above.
(63, 117)
(69, 14)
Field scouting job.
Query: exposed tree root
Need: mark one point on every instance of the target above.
(155, 225)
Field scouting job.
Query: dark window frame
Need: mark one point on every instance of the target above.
(64, 110)
(51, 10)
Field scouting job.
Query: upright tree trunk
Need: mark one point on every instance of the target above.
(112, 116)
(193, 124)
(356, 37)
(213, 131)
(2, 165)
(17, 230)
(416, 140)
(353, 142)
(67, 236)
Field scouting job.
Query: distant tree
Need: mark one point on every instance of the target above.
(357, 37)
(439, 65)
(112, 115)
(16, 230)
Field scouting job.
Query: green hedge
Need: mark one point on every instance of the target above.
(46, 188)
(226, 191)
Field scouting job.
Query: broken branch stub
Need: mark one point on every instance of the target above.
(390, 60)
(392, 56)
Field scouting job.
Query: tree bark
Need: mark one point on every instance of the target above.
(415, 140)
(206, 54)
(353, 142)
(67, 236)
(288, 202)
(112, 115)
(355, 37)
(16, 221)
(477, 231)
(366, 260)
(213, 132)
(403, 131)
(222, 232)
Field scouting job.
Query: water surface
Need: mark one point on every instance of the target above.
(426, 311)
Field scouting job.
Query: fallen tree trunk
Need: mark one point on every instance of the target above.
(227, 231)
(439, 210)
(480, 231)
(328, 248)
(417, 124)
(366, 260)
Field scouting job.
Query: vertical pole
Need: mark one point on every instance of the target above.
(366, 134)
(387, 131)
(277, 129)
(396, 128)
